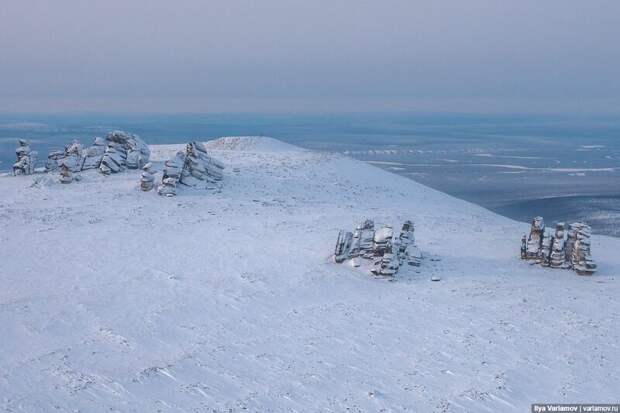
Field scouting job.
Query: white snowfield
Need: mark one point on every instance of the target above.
(116, 300)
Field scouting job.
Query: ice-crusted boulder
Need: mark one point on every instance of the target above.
(193, 167)
(560, 250)
(171, 174)
(123, 150)
(386, 251)
(147, 178)
(26, 158)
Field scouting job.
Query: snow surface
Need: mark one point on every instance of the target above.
(226, 301)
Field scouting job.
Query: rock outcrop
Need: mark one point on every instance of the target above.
(535, 239)
(386, 251)
(560, 250)
(123, 150)
(580, 257)
(78, 158)
(26, 158)
(193, 167)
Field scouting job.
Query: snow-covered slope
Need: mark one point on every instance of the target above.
(118, 300)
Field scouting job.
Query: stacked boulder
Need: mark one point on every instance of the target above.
(51, 164)
(170, 177)
(534, 246)
(385, 261)
(71, 158)
(407, 250)
(559, 250)
(66, 175)
(78, 158)
(557, 257)
(363, 240)
(147, 178)
(26, 158)
(123, 150)
(386, 251)
(580, 258)
(193, 167)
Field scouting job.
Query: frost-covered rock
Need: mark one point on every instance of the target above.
(193, 167)
(51, 164)
(560, 250)
(363, 239)
(26, 158)
(343, 246)
(171, 174)
(386, 264)
(76, 157)
(66, 175)
(382, 241)
(535, 239)
(581, 259)
(386, 251)
(200, 166)
(93, 155)
(123, 150)
(557, 257)
(412, 255)
(147, 178)
(545, 251)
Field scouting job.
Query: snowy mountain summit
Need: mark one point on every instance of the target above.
(228, 300)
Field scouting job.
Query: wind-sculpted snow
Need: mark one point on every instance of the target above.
(115, 299)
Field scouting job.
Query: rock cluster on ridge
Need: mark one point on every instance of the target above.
(559, 250)
(124, 150)
(193, 167)
(386, 251)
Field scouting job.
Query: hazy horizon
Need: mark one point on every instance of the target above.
(194, 56)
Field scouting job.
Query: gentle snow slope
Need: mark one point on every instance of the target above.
(117, 300)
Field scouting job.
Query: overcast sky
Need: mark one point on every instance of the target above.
(316, 51)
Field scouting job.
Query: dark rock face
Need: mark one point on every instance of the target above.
(26, 158)
(560, 250)
(193, 167)
(386, 251)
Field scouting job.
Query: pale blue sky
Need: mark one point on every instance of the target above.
(527, 52)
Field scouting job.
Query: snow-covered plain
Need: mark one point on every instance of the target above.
(227, 301)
